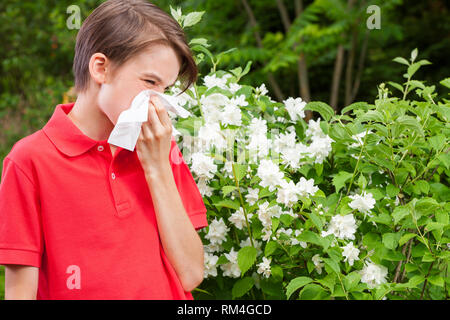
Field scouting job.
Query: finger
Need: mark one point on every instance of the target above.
(153, 117)
(146, 131)
(162, 113)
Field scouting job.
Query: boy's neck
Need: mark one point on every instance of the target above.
(88, 117)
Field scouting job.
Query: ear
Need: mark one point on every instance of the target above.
(98, 67)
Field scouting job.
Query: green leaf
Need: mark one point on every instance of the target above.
(276, 273)
(311, 237)
(313, 291)
(390, 240)
(325, 110)
(401, 60)
(270, 248)
(372, 115)
(437, 141)
(414, 54)
(232, 204)
(332, 264)
(392, 190)
(446, 82)
(227, 189)
(405, 238)
(242, 286)
(437, 280)
(192, 18)
(240, 170)
(360, 105)
(340, 179)
(246, 258)
(399, 213)
(296, 284)
(316, 220)
(351, 280)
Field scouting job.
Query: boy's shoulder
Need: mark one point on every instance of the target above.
(29, 148)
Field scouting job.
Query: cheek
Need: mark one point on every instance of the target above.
(112, 101)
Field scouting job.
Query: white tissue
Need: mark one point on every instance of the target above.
(128, 126)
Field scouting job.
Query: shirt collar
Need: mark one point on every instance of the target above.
(66, 136)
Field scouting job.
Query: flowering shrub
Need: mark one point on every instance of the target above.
(348, 206)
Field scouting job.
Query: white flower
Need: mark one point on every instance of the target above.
(210, 135)
(252, 196)
(203, 165)
(350, 253)
(314, 129)
(258, 147)
(270, 174)
(261, 90)
(373, 274)
(231, 115)
(210, 265)
(306, 187)
(264, 215)
(318, 263)
(320, 148)
(295, 108)
(284, 141)
(233, 87)
(287, 194)
(258, 126)
(231, 268)
(217, 231)
(363, 203)
(212, 247)
(343, 227)
(239, 101)
(266, 233)
(359, 139)
(203, 187)
(264, 267)
(238, 218)
(212, 81)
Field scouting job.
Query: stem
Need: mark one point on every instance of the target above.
(342, 285)
(198, 100)
(426, 280)
(243, 206)
(357, 163)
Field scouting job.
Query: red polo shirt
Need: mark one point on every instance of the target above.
(86, 217)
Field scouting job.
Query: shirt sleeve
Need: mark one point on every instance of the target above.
(188, 189)
(21, 237)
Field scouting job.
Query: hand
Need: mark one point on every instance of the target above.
(154, 141)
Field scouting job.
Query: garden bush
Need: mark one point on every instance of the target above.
(347, 206)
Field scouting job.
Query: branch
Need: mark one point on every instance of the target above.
(302, 69)
(284, 15)
(362, 58)
(273, 83)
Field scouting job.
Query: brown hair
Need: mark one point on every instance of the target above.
(120, 29)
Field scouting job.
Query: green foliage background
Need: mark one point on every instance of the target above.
(37, 49)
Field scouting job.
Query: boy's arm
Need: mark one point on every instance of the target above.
(21, 282)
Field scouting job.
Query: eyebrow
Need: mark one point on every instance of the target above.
(153, 75)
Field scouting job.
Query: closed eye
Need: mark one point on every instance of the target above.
(153, 83)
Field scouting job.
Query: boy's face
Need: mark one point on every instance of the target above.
(119, 89)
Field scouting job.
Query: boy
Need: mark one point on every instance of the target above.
(82, 219)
